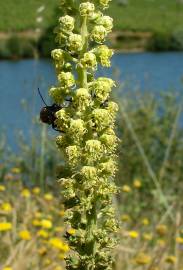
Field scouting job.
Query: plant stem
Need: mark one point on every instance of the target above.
(42, 158)
(82, 73)
(92, 215)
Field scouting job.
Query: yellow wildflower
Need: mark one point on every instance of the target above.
(5, 226)
(161, 229)
(36, 223)
(25, 235)
(58, 244)
(71, 231)
(171, 259)
(179, 240)
(147, 236)
(126, 188)
(46, 223)
(142, 259)
(2, 188)
(133, 234)
(145, 221)
(6, 207)
(161, 242)
(43, 233)
(16, 170)
(25, 193)
(137, 183)
(7, 268)
(48, 197)
(61, 213)
(36, 190)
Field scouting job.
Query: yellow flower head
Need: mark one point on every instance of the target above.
(5, 226)
(36, 190)
(161, 242)
(71, 231)
(43, 234)
(6, 207)
(16, 170)
(126, 188)
(133, 234)
(25, 235)
(179, 240)
(2, 188)
(7, 268)
(145, 221)
(36, 223)
(142, 259)
(46, 224)
(58, 244)
(137, 183)
(25, 193)
(61, 213)
(147, 236)
(161, 229)
(171, 259)
(48, 197)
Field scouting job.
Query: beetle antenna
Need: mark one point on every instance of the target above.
(42, 97)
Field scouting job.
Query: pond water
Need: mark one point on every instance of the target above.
(19, 100)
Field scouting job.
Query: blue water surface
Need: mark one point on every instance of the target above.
(19, 100)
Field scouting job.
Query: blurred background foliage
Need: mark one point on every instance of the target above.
(150, 127)
(154, 25)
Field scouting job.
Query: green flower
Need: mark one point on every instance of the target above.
(75, 43)
(87, 139)
(101, 88)
(73, 154)
(86, 9)
(66, 79)
(89, 60)
(66, 23)
(58, 55)
(104, 3)
(104, 55)
(106, 22)
(101, 119)
(98, 33)
(82, 99)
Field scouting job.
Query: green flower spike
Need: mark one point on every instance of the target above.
(87, 138)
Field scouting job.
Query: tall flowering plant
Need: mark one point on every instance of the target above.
(87, 137)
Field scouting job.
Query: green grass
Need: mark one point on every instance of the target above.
(138, 15)
(148, 15)
(18, 15)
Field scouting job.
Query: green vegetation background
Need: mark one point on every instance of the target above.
(137, 15)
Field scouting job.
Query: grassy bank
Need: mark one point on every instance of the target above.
(139, 25)
(137, 15)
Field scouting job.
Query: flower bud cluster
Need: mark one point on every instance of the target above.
(87, 139)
